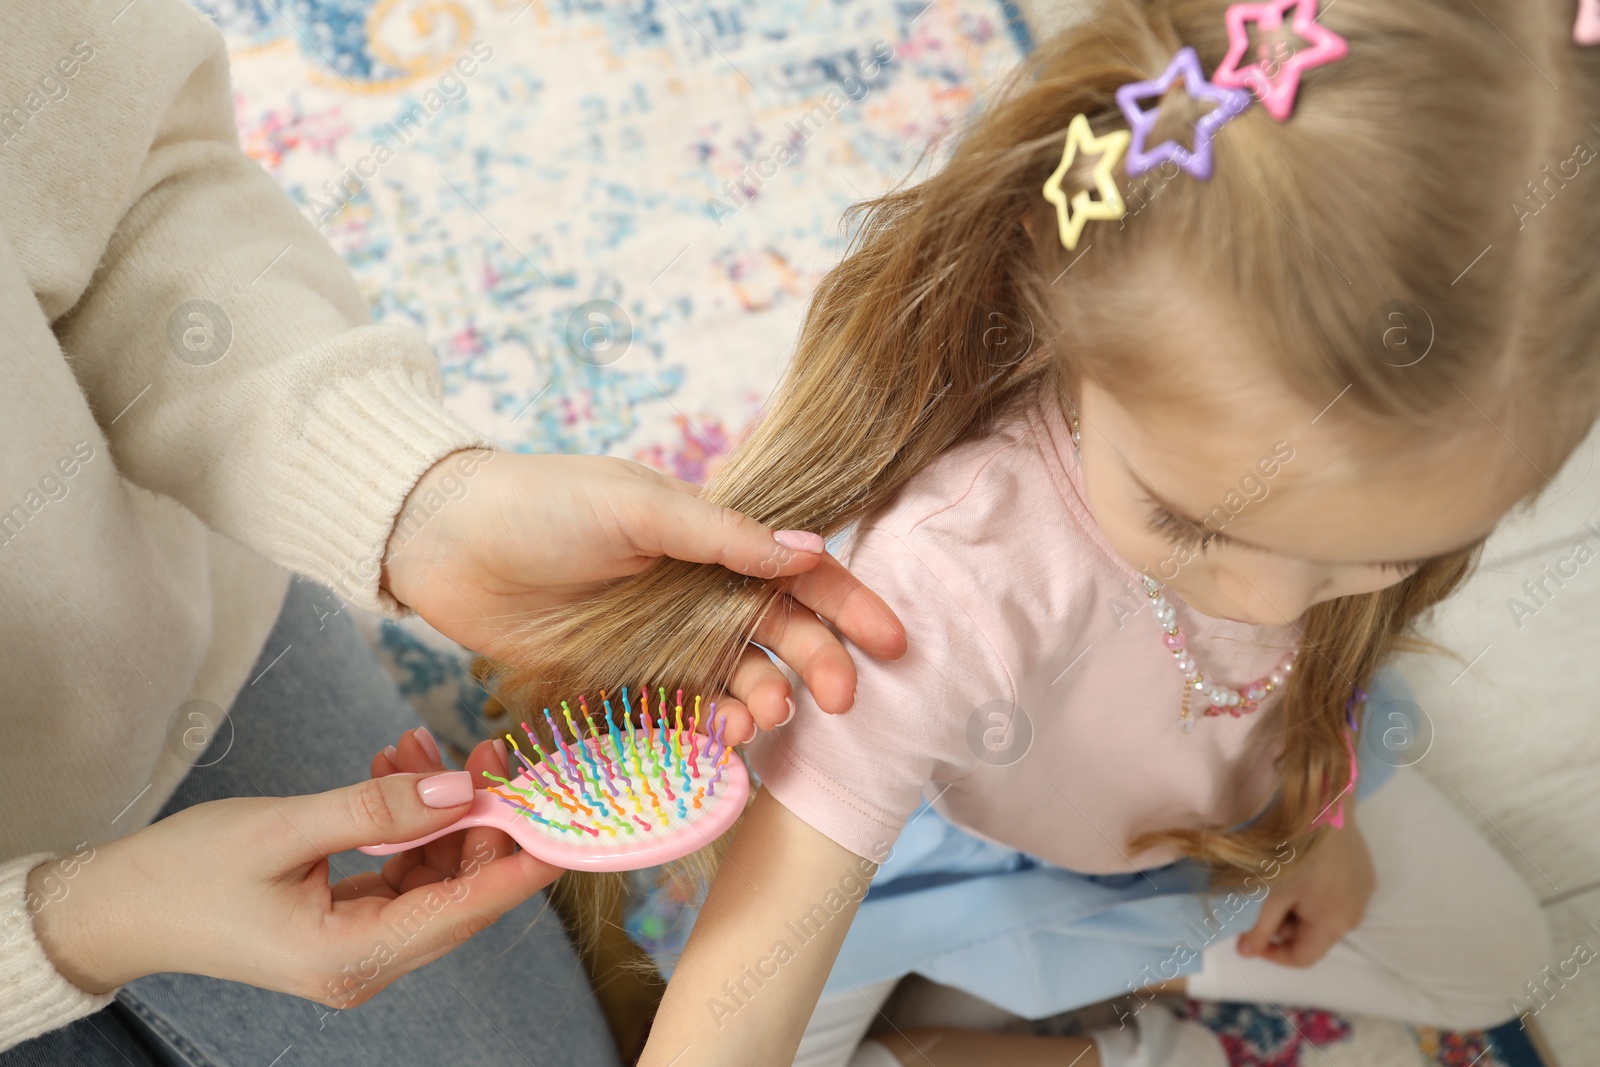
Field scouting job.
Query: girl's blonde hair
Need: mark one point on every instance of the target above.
(1402, 162)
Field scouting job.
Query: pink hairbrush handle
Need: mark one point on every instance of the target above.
(604, 851)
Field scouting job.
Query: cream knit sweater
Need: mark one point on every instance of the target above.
(151, 493)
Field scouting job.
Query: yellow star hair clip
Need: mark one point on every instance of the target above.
(1074, 215)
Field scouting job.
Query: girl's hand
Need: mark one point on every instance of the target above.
(418, 753)
(239, 889)
(486, 537)
(1317, 902)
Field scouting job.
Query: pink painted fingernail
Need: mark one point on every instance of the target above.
(429, 745)
(390, 753)
(786, 719)
(501, 751)
(799, 540)
(445, 790)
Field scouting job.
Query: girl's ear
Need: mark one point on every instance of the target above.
(1027, 225)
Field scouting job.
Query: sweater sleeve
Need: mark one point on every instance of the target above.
(222, 343)
(34, 998)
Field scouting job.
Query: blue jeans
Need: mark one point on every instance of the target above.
(515, 994)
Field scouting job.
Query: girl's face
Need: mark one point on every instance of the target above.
(1261, 509)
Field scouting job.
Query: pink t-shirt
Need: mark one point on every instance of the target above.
(1012, 599)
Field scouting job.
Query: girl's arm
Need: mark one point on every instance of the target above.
(762, 946)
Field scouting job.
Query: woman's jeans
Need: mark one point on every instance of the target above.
(311, 720)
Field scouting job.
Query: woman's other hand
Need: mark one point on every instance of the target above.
(239, 889)
(450, 856)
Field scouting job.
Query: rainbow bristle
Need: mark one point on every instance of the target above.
(587, 751)
(677, 752)
(605, 760)
(633, 750)
(568, 796)
(648, 770)
(555, 733)
(527, 811)
(555, 772)
(517, 751)
(722, 753)
(616, 749)
(661, 729)
(694, 763)
(643, 779)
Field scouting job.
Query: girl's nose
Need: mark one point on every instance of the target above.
(1275, 592)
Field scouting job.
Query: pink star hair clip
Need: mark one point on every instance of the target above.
(1275, 78)
(1230, 102)
(1587, 28)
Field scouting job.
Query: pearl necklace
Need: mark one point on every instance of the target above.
(1220, 699)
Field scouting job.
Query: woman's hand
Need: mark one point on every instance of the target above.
(239, 889)
(1318, 901)
(447, 857)
(486, 537)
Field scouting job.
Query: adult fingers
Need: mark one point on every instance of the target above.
(418, 753)
(799, 638)
(447, 913)
(445, 946)
(397, 869)
(830, 590)
(671, 519)
(383, 763)
(365, 884)
(377, 811)
(709, 533)
(445, 857)
(756, 682)
(480, 844)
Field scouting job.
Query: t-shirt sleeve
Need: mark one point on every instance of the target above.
(857, 777)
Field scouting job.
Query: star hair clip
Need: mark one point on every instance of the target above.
(1229, 104)
(1274, 79)
(1275, 76)
(1074, 214)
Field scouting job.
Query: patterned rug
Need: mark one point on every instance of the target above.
(1255, 1035)
(607, 215)
(1265, 1036)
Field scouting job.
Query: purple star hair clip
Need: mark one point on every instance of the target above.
(1230, 102)
(1275, 77)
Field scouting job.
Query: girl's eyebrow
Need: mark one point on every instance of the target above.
(1179, 513)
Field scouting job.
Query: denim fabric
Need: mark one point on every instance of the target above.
(317, 709)
(1037, 939)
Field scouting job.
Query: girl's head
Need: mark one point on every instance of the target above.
(1367, 337)
(1306, 388)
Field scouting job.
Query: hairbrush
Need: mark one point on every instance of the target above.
(612, 800)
